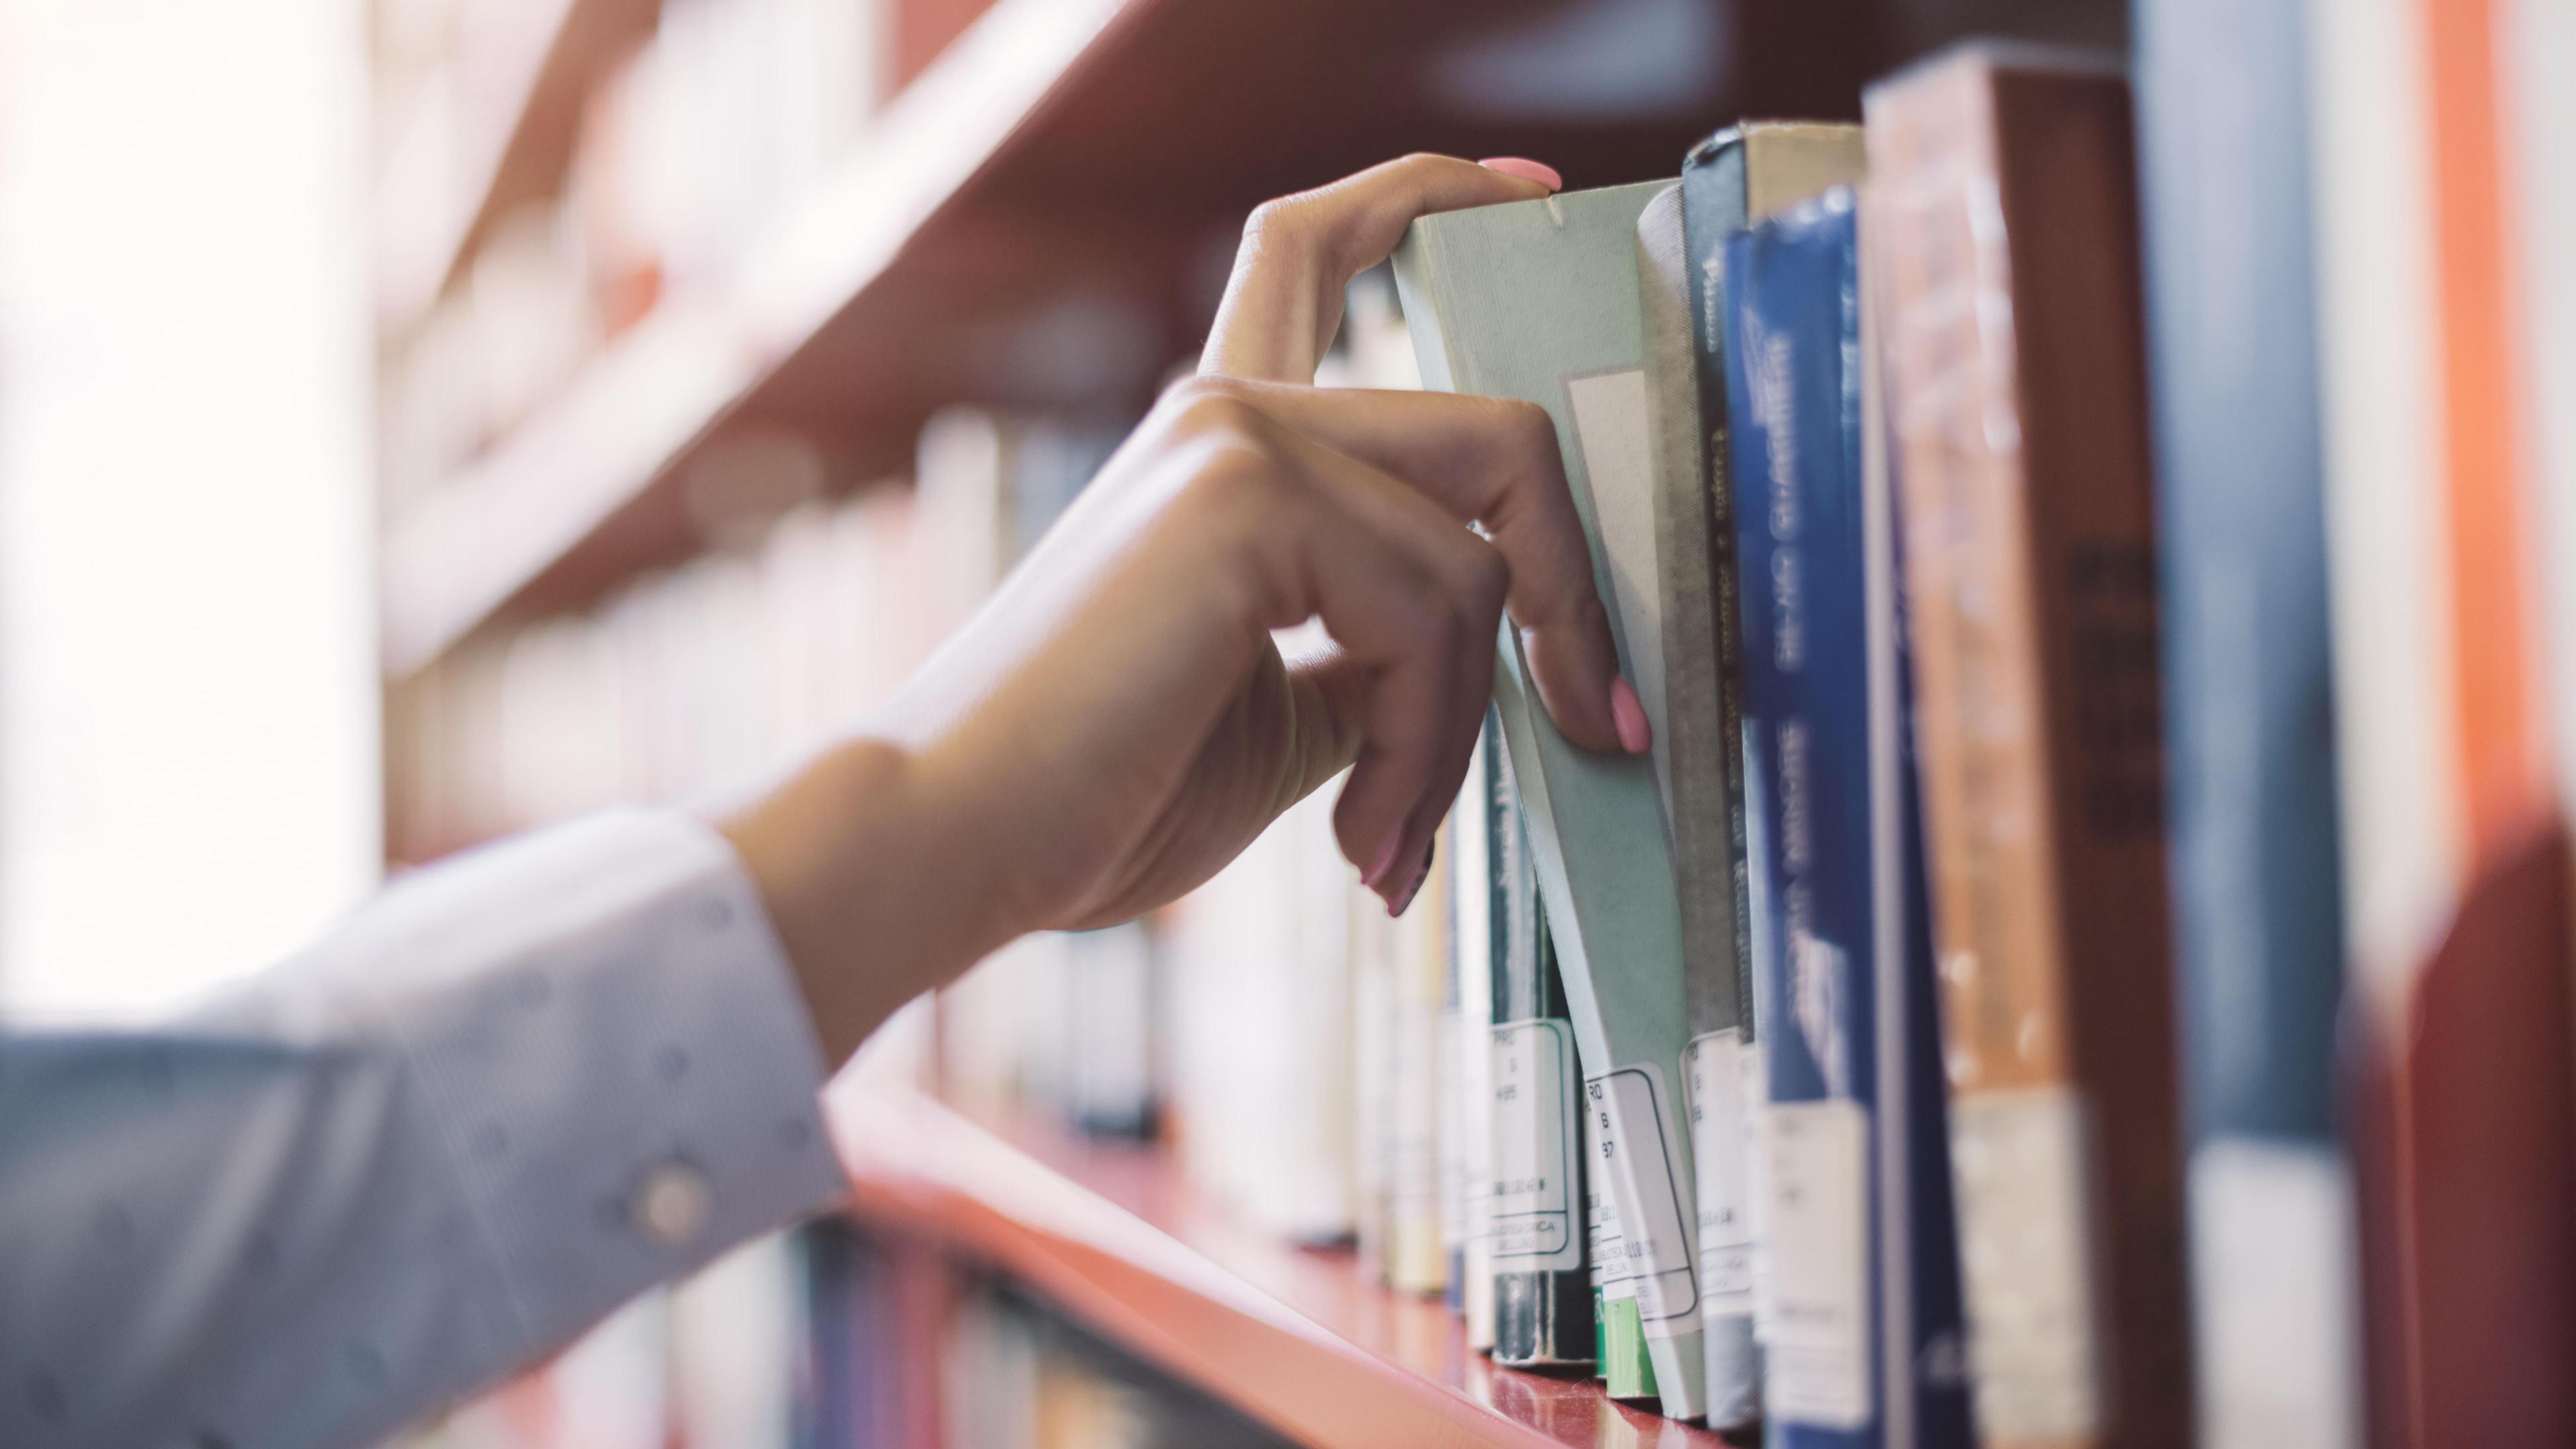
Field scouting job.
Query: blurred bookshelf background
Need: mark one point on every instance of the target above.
(489, 410)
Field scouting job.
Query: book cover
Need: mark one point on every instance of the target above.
(1865, 1339)
(1537, 301)
(1542, 1282)
(2249, 718)
(1728, 180)
(2015, 374)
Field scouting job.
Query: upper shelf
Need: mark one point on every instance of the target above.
(1304, 1340)
(1043, 218)
(515, 147)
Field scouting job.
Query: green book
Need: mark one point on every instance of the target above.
(1537, 300)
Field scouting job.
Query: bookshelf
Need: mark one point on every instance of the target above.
(1306, 1340)
(1040, 219)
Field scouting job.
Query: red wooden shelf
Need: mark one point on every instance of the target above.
(1305, 1340)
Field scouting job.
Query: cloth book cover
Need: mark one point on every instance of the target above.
(1864, 1340)
(1537, 300)
(2005, 269)
(2249, 717)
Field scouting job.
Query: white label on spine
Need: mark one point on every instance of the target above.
(1717, 1112)
(1643, 1167)
(1818, 1364)
(2272, 1278)
(1536, 1216)
(2024, 1166)
(1757, 1182)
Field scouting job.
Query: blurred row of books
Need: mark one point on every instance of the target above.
(551, 173)
(2088, 962)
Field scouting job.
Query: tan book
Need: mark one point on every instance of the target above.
(2015, 370)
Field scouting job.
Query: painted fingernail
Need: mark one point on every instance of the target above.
(1526, 169)
(1629, 717)
(1385, 861)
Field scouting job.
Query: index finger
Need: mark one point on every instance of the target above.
(1284, 298)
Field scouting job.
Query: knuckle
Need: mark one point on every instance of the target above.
(1212, 407)
(1529, 428)
(1279, 222)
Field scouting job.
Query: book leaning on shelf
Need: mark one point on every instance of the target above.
(2005, 265)
(1537, 300)
(1864, 1343)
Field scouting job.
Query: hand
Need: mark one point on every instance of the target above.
(1116, 723)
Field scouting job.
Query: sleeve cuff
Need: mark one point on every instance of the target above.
(628, 1082)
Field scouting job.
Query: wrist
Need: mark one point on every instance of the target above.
(871, 883)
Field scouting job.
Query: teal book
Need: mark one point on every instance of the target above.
(1537, 300)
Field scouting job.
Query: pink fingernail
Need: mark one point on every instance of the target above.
(1629, 718)
(1385, 859)
(1526, 169)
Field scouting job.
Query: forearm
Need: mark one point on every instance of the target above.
(865, 857)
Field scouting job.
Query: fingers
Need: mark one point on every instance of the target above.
(1417, 745)
(1492, 462)
(1411, 598)
(1284, 299)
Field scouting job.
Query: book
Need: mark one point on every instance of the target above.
(1537, 301)
(1417, 1257)
(2453, 827)
(2006, 243)
(1866, 1339)
(1731, 178)
(1543, 1289)
(1468, 1082)
(2249, 718)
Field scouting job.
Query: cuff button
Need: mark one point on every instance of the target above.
(672, 1203)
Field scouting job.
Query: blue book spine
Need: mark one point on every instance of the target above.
(2249, 711)
(1864, 1286)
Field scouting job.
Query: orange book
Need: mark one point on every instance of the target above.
(2015, 369)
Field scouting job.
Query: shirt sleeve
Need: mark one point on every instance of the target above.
(511, 1093)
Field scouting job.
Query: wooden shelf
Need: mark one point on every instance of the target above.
(1042, 220)
(1302, 1339)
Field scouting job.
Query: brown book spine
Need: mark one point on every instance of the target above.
(2016, 382)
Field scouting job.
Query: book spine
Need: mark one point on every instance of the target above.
(1470, 1081)
(1923, 1324)
(2029, 552)
(1792, 333)
(2249, 717)
(1542, 1282)
(1417, 1258)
